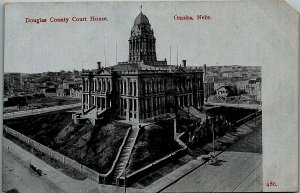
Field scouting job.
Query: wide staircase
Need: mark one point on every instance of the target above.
(126, 152)
(194, 112)
(215, 99)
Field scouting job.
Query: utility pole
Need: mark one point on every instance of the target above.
(125, 173)
(213, 132)
(125, 180)
(116, 53)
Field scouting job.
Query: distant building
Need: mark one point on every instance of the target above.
(226, 91)
(67, 89)
(208, 84)
(227, 74)
(15, 82)
(76, 92)
(208, 88)
(254, 88)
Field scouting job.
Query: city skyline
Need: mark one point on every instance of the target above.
(79, 70)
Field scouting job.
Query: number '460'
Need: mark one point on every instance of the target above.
(271, 183)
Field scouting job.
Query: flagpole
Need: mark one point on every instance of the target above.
(170, 54)
(116, 53)
(177, 55)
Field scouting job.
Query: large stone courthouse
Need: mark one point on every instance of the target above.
(141, 88)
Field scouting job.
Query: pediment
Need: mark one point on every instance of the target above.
(179, 70)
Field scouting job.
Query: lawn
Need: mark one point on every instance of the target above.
(42, 128)
(92, 146)
(154, 142)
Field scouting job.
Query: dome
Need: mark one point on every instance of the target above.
(141, 27)
(141, 19)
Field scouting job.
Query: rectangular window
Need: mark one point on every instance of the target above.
(134, 89)
(125, 88)
(135, 104)
(125, 104)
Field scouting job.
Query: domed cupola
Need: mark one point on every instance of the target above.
(141, 27)
(141, 19)
(142, 41)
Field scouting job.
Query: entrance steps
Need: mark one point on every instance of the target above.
(126, 152)
(195, 112)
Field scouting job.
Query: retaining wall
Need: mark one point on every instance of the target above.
(247, 118)
(93, 175)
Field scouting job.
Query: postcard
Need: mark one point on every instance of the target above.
(151, 96)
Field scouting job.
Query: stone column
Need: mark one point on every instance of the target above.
(82, 104)
(96, 102)
(137, 110)
(122, 85)
(127, 109)
(127, 87)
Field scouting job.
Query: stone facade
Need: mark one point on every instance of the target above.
(143, 87)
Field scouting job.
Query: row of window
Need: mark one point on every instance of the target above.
(159, 86)
(98, 84)
(99, 102)
(128, 87)
(132, 105)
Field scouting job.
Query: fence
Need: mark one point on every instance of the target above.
(93, 175)
(247, 118)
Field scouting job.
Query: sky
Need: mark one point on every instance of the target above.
(295, 4)
(235, 35)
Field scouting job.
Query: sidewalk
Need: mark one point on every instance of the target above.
(185, 170)
(39, 111)
(176, 175)
(62, 182)
(233, 172)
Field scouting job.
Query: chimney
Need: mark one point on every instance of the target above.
(99, 65)
(184, 63)
(204, 66)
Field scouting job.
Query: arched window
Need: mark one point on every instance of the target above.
(99, 84)
(104, 85)
(148, 87)
(130, 88)
(134, 89)
(143, 87)
(108, 85)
